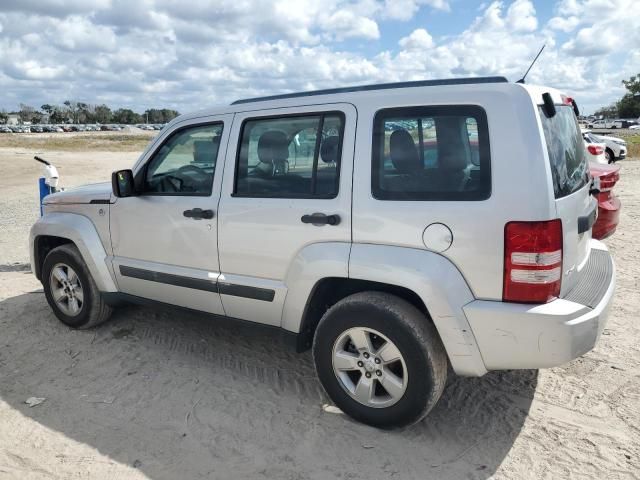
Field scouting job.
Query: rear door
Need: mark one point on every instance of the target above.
(571, 183)
(287, 185)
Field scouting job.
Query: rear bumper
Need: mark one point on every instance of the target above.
(514, 336)
(608, 218)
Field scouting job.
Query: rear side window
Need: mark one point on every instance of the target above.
(290, 156)
(431, 153)
(569, 168)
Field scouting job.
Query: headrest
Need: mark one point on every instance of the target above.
(403, 152)
(206, 151)
(273, 146)
(329, 149)
(453, 150)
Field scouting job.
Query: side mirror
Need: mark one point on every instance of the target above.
(122, 183)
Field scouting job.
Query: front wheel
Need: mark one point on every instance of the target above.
(380, 359)
(70, 290)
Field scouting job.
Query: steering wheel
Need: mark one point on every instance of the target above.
(169, 183)
(193, 168)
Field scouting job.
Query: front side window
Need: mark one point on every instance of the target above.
(185, 163)
(290, 157)
(431, 153)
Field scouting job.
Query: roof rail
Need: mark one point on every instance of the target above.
(380, 86)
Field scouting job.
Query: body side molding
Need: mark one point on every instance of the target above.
(224, 288)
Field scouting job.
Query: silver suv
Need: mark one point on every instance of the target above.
(397, 229)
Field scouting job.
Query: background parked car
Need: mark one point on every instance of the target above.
(615, 148)
(608, 204)
(593, 149)
(605, 123)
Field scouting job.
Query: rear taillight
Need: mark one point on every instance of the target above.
(532, 261)
(608, 180)
(595, 149)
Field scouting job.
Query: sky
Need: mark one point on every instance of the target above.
(192, 54)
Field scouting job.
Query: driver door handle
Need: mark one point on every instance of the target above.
(198, 214)
(321, 219)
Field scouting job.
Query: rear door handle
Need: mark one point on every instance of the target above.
(198, 214)
(321, 219)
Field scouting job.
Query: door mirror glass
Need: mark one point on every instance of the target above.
(123, 184)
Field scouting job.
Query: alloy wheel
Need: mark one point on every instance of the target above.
(66, 289)
(369, 367)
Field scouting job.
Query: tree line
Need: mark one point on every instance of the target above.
(79, 112)
(628, 106)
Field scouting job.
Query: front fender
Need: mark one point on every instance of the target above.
(81, 231)
(439, 284)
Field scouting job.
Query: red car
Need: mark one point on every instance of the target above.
(608, 204)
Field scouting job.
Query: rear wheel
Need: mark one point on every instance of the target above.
(70, 290)
(380, 359)
(608, 153)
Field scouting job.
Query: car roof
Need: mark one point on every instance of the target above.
(380, 86)
(363, 92)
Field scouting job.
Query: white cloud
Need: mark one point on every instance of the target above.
(604, 26)
(521, 16)
(345, 24)
(148, 53)
(419, 39)
(78, 34)
(406, 9)
(564, 24)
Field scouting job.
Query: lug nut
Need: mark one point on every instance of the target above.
(378, 373)
(377, 360)
(365, 355)
(360, 364)
(368, 375)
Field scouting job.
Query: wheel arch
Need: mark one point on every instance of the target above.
(325, 273)
(42, 245)
(330, 290)
(56, 229)
(611, 153)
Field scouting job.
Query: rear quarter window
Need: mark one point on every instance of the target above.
(431, 153)
(565, 146)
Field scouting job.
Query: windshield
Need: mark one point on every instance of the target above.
(569, 167)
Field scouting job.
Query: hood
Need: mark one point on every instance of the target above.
(93, 193)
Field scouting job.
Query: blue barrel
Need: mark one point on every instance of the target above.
(44, 191)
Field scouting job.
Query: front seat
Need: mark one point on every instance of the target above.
(327, 175)
(206, 151)
(273, 170)
(273, 153)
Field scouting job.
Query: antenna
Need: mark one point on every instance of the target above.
(534, 61)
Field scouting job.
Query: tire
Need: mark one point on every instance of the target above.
(422, 367)
(608, 153)
(92, 309)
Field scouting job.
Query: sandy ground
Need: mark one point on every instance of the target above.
(161, 395)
